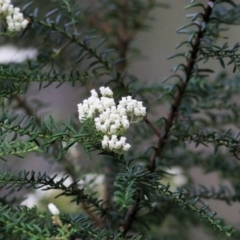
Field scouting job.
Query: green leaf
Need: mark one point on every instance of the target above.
(222, 63)
(192, 5)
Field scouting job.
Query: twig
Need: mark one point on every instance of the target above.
(162, 140)
(22, 104)
(150, 124)
(181, 89)
(124, 37)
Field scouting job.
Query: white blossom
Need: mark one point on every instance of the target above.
(14, 18)
(126, 147)
(123, 140)
(110, 119)
(53, 209)
(106, 91)
(114, 144)
(175, 176)
(113, 129)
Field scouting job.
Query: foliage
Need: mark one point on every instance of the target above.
(120, 196)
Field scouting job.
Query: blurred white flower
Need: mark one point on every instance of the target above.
(31, 200)
(111, 119)
(53, 209)
(9, 53)
(40, 195)
(91, 182)
(175, 177)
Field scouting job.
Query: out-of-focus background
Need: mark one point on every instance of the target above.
(156, 45)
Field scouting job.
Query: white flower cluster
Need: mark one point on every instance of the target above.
(14, 18)
(110, 119)
(175, 176)
(115, 144)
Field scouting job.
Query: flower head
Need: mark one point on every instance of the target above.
(110, 119)
(14, 18)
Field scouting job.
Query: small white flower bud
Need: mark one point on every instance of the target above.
(105, 144)
(123, 140)
(114, 137)
(111, 144)
(53, 209)
(24, 23)
(10, 9)
(118, 145)
(106, 91)
(126, 147)
(16, 10)
(94, 93)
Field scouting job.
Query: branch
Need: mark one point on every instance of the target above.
(132, 212)
(188, 69)
(150, 124)
(162, 139)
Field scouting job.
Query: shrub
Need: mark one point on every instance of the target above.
(114, 179)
